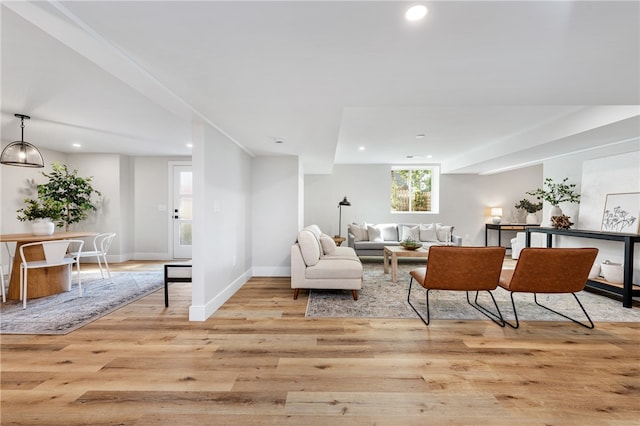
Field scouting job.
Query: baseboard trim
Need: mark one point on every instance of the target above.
(271, 271)
(202, 312)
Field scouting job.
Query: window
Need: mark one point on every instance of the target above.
(415, 189)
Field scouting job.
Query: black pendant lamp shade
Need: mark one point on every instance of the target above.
(21, 153)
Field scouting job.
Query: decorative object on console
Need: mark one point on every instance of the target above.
(555, 194)
(618, 213)
(41, 213)
(612, 272)
(21, 153)
(531, 209)
(344, 202)
(496, 212)
(561, 222)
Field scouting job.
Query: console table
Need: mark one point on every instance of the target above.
(503, 227)
(627, 291)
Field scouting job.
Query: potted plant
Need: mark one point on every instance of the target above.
(556, 193)
(74, 193)
(531, 209)
(41, 213)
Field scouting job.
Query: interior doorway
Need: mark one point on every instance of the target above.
(181, 209)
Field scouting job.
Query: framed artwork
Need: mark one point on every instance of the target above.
(621, 213)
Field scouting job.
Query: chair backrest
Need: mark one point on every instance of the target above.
(464, 268)
(102, 242)
(52, 251)
(552, 270)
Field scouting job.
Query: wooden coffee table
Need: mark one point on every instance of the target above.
(398, 251)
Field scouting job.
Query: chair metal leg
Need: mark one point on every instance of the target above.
(498, 319)
(4, 295)
(106, 264)
(80, 290)
(100, 266)
(515, 313)
(427, 320)
(23, 286)
(591, 326)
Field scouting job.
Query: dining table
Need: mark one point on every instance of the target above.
(42, 281)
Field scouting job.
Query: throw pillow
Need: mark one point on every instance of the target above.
(359, 232)
(428, 233)
(413, 233)
(375, 233)
(315, 229)
(309, 247)
(389, 231)
(328, 244)
(444, 232)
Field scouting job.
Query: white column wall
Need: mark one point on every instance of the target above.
(276, 213)
(221, 220)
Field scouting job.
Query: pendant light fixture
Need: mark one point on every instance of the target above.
(21, 153)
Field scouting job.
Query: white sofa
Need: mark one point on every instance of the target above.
(369, 239)
(316, 262)
(518, 243)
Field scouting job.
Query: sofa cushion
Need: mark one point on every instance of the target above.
(374, 245)
(335, 268)
(389, 231)
(375, 233)
(444, 232)
(328, 244)
(315, 229)
(359, 232)
(409, 232)
(309, 247)
(428, 232)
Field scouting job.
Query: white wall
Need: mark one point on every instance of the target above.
(221, 220)
(465, 200)
(276, 213)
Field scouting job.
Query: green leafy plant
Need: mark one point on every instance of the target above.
(529, 206)
(40, 209)
(557, 192)
(73, 194)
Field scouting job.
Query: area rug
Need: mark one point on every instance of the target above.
(65, 312)
(380, 298)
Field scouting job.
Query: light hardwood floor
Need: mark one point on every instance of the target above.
(259, 361)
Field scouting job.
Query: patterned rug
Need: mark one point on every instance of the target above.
(65, 312)
(380, 298)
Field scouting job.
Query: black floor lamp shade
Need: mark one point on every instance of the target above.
(344, 202)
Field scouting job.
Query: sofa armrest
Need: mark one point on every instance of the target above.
(351, 240)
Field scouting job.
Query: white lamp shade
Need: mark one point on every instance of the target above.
(496, 211)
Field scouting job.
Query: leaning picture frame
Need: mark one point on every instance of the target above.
(621, 212)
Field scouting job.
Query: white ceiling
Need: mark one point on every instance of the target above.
(492, 85)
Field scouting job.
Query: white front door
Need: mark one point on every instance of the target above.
(181, 212)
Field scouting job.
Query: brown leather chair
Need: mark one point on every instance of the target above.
(461, 269)
(550, 270)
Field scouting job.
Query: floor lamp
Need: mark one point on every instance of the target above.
(344, 202)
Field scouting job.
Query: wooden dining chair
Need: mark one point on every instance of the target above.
(461, 269)
(55, 254)
(552, 271)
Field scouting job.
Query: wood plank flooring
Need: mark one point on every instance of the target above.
(259, 361)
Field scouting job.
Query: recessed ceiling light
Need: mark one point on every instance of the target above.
(420, 136)
(416, 13)
(189, 145)
(429, 156)
(76, 145)
(279, 141)
(361, 148)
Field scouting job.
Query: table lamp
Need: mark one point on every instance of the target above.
(496, 212)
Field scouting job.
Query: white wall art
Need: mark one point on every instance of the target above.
(621, 213)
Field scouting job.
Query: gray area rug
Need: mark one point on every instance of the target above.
(65, 312)
(380, 298)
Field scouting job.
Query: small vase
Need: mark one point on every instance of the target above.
(555, 211)
(532, 219)
(42, 227)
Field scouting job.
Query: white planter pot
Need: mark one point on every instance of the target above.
(531, 219)
(612, 272)
(555, 211)
(43, 227)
